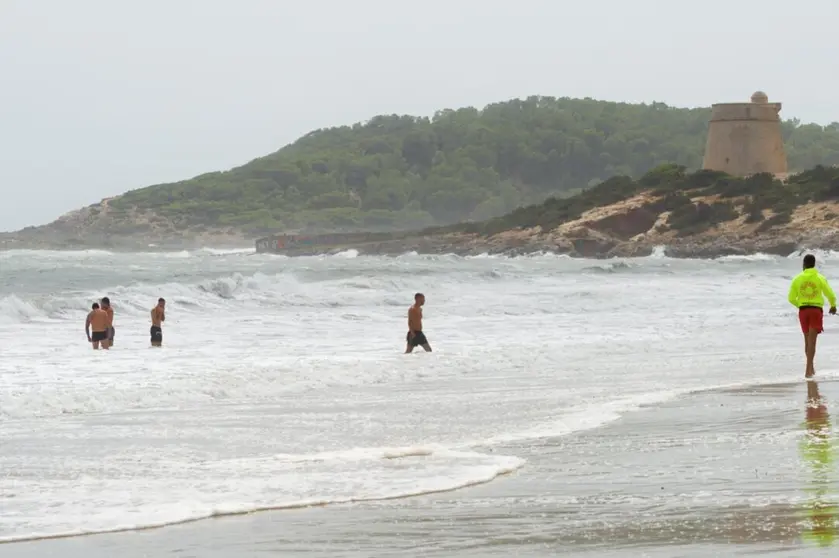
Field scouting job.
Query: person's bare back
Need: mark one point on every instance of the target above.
(97, 320)
(415, 337)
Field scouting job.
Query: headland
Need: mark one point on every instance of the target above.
(571, 176)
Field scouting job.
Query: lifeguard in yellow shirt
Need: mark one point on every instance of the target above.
(807, 292)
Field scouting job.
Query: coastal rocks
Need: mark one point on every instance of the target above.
(709, 247)
(631, 250)
(624, 226)
(820, 239)
(777, 247)
(630, 228)
(704, 250)
(589, 243)
(592, 247)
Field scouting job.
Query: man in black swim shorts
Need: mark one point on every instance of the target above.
(415, 337)
(97, 319)
(158, 316)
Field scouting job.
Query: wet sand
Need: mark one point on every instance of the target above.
(727, 472)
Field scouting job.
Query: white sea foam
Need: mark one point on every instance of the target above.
(821, 255)
(186, 492)
(588, 416)
(228, 251)
(759, 257)
(282, 383)
(659, 252)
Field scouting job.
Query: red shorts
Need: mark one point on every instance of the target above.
(811, 318)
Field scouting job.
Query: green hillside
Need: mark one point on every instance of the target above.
(404, 172)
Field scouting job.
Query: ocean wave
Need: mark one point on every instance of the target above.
(758, 257)
(821, 255)
(174, 382)
(342, 279)
(282, 289)
(610, 267)
(594, 415)
(658, 252)
(15, 310)
(191, 492)
(226, 251)
(53, 254)
(311, 284)
(65, 255)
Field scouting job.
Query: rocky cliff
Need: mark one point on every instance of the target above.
(630, 228)
(103, 226)
(702, 214)
(627, 229)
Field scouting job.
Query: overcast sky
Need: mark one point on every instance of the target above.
(98, 97)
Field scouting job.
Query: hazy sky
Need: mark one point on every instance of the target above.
(98, 97)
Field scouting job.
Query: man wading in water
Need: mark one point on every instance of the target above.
(158, 316)
(807, 292)
(415, 337)
(98, 320)
(109, 310)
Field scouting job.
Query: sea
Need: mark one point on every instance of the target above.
(621, 407)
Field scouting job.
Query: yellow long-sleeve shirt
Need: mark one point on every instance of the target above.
(809, 288)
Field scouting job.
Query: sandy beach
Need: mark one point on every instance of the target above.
(602, 492)
(644, 407)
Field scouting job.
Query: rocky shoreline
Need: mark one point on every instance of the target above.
(510, 243)
(627, 228)
(16, 241)
(473, 245)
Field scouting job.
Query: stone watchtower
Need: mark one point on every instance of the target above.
(745, 138)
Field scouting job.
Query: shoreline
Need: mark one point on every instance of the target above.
(660, 433)
(512, 243)
(277, 508)
(536, 515)
(663, 250)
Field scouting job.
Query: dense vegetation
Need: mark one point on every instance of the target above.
(672, 189)
(404, 172)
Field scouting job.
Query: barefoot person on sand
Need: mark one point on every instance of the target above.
(98, 320)
(158, 316)
(415, 335)
(807, 292)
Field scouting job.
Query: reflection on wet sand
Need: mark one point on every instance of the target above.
(816, 452)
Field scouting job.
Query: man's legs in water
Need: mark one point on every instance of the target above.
(410, 345)
(410, 348)
(810, 351)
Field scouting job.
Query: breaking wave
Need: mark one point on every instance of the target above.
(242, 486)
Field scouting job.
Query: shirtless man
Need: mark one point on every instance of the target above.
(98, 320)
(416, 338)
(158, 316)
(106, 306)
